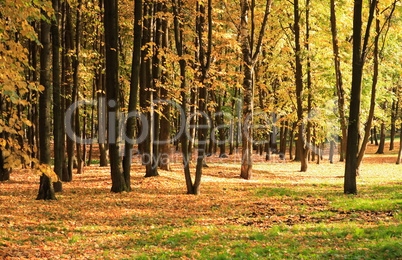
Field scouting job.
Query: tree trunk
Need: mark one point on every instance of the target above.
(394, 114)
(4, 172)
(76, 65)
(382, 140)
(375, 136)
(370, 117)
(46, 191)
(132, 104)
(339, 82)
(291, 141)
(301, 145)
(178, 33)
(58, 122)
(67, 82)
(355, 100)
(164, 136)
(113, 94)
(398, 161)
(331, 151)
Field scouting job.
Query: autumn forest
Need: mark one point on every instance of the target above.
(200, 129)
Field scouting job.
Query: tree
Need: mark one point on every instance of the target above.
(46, 191)
(359, 54)
(58, 122)
(250, 50)
(113, 95)
(302, 149)
(132, 105)
(339, 81)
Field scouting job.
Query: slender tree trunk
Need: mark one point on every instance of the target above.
(308, 83)
(4, 172)
(58, 122)
(178, 33)
(372, 136)
(101, 90)
(302, 148)
(331, 151)
(164, 136)
(339, 82)
(375, 136)
(68, 83)
(291, 141)
(394, 113)
(76, 65)
(132, 104)
(113, 94)
(355, 100)
(370, 117)
(381, 147)
(398, 160)
(46, 191)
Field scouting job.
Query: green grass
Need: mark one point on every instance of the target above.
(345, 241)
(281, 214)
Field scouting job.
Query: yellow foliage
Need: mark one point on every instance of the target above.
(48, 171)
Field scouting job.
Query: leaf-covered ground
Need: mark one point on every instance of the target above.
(279, 214)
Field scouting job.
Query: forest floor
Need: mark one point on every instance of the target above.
(280, 214)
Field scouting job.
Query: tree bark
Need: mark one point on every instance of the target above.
(132, 103)
(178, 33)
(370, 117)
(4, 172)
(302, 148)
(381, 146)
(58, 115)
(394, 114)
(355, 100)
(398, 160)
(113, 94)
(164, 136)
(67, 82)
(250, 51)
(339, 83)
(46, 191)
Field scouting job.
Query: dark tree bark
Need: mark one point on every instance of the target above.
(359, 53)
(394, 114)
(101, 90)
(375, 135)
(309, 83)
(339, 83)
(302, 149)
(164, 136)
(135, 78)
(205, 64)
(178, 33)
(76, 66)
(370, 117)
(250, 52)
(398, 160)
(68, 84)
(381, 146)
(46, 191)
(58, 115)
(113, 94)
(4, 172)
